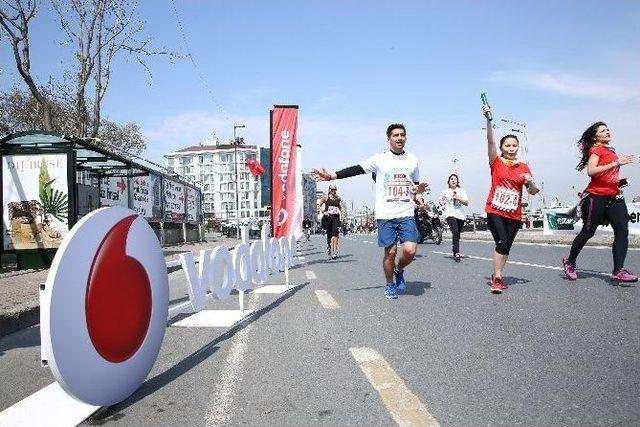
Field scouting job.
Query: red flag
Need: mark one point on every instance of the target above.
(255, 168)
(284, 140)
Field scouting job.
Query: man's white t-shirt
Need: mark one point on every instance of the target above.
(395, 175)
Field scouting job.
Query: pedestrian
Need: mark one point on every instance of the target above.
(504, 202)
(306, 225)
(452, 199)
(603, 201)
(331, 210)
(399, 181)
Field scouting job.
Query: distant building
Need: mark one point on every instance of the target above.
(309, 191)
(211, 167)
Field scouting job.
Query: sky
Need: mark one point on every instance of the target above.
(354, 67)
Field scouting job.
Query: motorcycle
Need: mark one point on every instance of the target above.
(429, 224)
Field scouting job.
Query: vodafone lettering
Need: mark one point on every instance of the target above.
(104, 306)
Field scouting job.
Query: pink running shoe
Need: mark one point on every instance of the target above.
(623, 275)
(569, 269)
(496, 285)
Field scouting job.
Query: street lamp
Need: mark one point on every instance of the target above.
(235, 167)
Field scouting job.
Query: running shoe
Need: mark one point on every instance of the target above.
(624, 276)
(570, 269)
(390, 292)
(497, 285)
(457, 257)
(398, 277)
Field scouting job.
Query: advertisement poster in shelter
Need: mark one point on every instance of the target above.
(146, 195)
(35, 201)
(114, 191)
(193, 203)
(174, 203)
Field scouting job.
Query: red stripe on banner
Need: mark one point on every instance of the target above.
(284, 137)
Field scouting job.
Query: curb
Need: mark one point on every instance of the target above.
(14, 322)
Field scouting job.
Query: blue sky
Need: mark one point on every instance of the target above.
(353, 67)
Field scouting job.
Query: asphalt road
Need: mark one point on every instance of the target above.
(545, 352)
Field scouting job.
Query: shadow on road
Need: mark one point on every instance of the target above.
(185, 365)
(25, 338)
(413, 288)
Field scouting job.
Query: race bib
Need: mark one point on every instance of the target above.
(333, 210)
(399, 192)
(505, 199)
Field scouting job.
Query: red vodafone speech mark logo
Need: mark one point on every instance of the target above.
(104, 307)
(118, 300)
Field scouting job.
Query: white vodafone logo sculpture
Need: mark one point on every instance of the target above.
(104, 307)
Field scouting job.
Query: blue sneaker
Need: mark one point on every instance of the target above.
(390, 292)
(399, 279)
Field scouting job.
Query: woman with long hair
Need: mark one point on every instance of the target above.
(332, 211)
(603, 201)
(452, 199)
(504, 202)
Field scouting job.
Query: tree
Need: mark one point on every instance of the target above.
(123, 139)
(100, 29)
(14, 20)
(19, 111)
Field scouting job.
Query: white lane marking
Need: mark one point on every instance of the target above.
(404, 406)
(557, 245)
(213, 319)
(326, 300)
(221, 403)
(310, 275)
(50, 406)
(301, 258)
(528, 264)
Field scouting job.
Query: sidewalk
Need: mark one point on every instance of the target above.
(19, 290)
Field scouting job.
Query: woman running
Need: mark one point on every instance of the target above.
(332, 210)
(452, 200)
(504, 203)
(603, 201)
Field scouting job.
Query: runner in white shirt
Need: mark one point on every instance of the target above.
(452, 200)
(397, 181)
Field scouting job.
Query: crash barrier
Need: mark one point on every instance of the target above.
(562, 220)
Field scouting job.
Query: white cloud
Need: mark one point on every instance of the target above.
(569, 85)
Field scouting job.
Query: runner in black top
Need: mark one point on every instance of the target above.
(332, 211)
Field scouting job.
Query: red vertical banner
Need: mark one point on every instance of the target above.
(284, 139)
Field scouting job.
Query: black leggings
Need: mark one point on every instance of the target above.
(455, 225)
(594, 209)
(333, 228)
(504, 232)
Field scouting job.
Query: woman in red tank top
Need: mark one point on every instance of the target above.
(504, 203)
(603, 202)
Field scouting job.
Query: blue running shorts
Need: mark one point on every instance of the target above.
(391, 231)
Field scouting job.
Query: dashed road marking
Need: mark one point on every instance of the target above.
(327, 300)
(528, 264)
(404, 406)
(310, 275)
(221, 403)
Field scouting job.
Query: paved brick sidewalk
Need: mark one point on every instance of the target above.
(19, 290)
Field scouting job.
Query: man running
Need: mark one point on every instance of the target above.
(396, 184)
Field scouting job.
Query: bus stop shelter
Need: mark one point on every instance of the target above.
(50, 181)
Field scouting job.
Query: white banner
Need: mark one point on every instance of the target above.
(174, 202)
(145, 196)
(114, 191)
(35, 201)
(555, 221)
